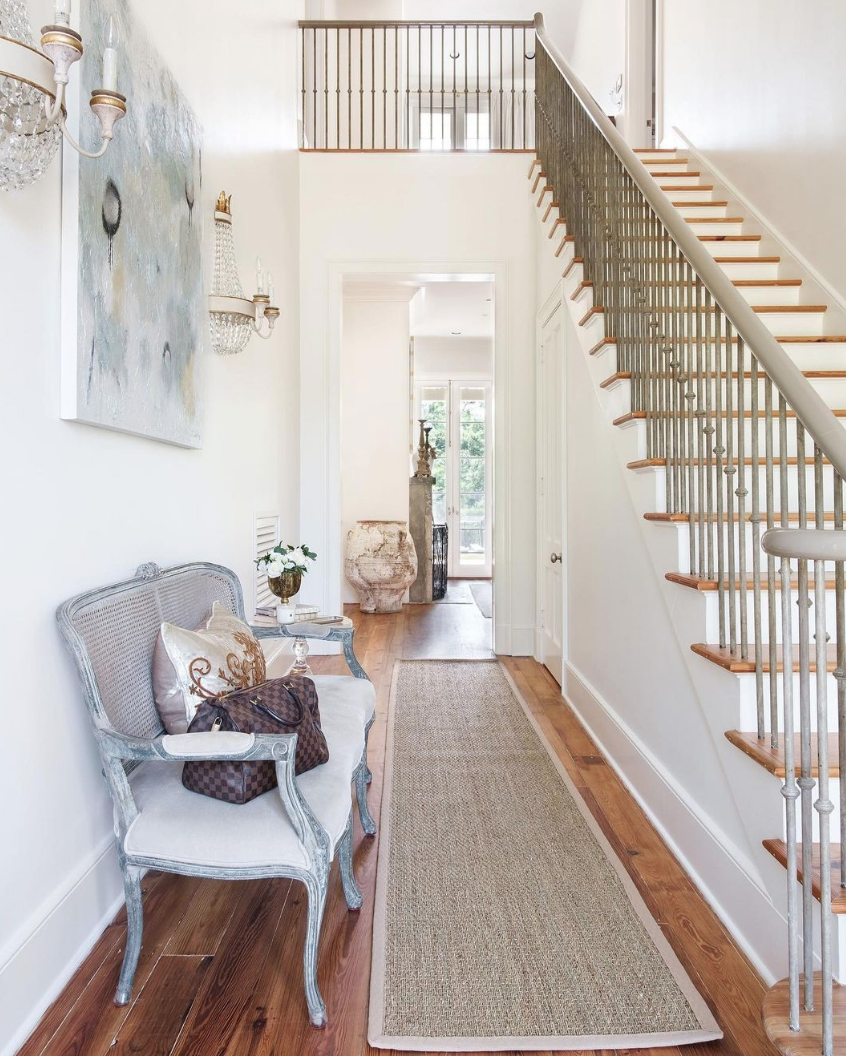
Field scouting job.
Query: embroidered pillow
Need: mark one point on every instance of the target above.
(191, 666)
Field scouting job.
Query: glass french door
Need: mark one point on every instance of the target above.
(462, 435)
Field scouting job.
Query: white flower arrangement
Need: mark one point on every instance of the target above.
(286, 558)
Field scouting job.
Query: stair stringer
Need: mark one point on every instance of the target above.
(741, 881)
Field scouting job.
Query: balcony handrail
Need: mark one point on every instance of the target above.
(809, 406)
(367, 23)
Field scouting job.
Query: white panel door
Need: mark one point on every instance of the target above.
(551, 493)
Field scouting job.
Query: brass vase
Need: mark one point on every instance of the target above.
(286, 585)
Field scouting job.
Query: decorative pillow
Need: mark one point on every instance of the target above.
(191, 666)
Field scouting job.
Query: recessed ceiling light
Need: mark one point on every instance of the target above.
(455, 333)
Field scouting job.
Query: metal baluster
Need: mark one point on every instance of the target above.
(823, 804)
(790, 790)
(708, 430)
(689, 398)
(361, 87)
(501, 107)
(806, 781)
(740, 492)
(730, 470)
(314, 88)
(840, 673)
(771, 574)
(719, 476)
(756, 548)
(326, 87)
(303, 142)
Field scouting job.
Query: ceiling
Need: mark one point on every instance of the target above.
(452, 309)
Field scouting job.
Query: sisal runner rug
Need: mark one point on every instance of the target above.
(503, 919)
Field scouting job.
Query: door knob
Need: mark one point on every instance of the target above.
(555, 557)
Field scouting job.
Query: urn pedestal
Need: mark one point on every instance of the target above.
(380, 563)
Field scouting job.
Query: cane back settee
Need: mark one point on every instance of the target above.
(111, 633)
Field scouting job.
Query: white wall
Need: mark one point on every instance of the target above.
(374, 411)
(453, 357)
(83, 506)
(421, 214)
(761, 94)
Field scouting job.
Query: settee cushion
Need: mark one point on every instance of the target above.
(175, 825)
(345, 694)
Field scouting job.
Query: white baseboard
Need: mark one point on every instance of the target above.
(38, 963)
(723, 878)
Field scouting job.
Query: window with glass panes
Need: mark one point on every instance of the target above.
(471, 474)
(433, 407)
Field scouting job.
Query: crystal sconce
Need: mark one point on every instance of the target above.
(234, 318)
(32, 92)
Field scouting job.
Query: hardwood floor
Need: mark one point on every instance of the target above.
(221, 966)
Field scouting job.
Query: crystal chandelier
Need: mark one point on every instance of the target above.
(233, 317)
(32, 92)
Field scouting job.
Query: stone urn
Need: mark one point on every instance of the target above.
(381, 563)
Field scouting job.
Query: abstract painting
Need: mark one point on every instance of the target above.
(133, 315)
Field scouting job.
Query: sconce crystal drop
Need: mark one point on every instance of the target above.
(230, 330)
(28, 140)
(234, 318)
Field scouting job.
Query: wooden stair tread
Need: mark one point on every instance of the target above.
(699, 205)
(684, 518)
(700, 583)
(686, 186)
(671, 175)
(730, 660)
(713, 219)
(632, 416)
(807, 1041)
(621, 375)
(791, 460)
(747, 260)
(772, 759)
(778, 849)
(571, 265)
(602, 344)
(819, 375)
(729, 238)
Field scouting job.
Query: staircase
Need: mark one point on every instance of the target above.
(735, 426)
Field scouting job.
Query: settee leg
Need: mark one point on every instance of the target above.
(316, 901)
(367, 822)
(345, 860)
(134, 928)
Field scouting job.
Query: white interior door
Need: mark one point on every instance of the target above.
(460, 413)
(551, 492)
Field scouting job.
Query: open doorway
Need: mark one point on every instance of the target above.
(421, 347)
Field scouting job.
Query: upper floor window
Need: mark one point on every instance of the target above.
(477, 131)
(436, 130)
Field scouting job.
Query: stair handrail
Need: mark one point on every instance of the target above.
(809, 406)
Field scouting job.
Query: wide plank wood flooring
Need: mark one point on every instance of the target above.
(221, 966)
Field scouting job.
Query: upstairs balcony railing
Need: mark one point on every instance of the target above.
(751, 455)
(417, 86)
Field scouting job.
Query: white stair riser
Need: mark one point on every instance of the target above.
(759, 269)
(640, 425)
(832, 390)
(810, 355)
(687, 192)
(712, 612)
(792, 503)
(691, 211)
(745, 248)
(682, 532)
(669, 177)
(748, 695)
(702, 227)
(674, 159)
